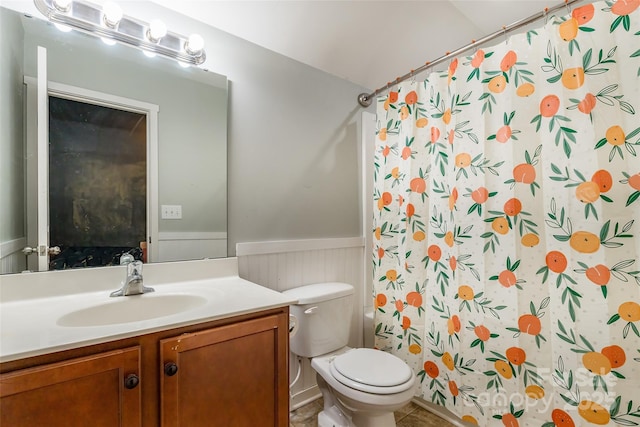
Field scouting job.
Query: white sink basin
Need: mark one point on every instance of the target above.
(132, 308)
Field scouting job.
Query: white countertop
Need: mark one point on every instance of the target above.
(32, 326)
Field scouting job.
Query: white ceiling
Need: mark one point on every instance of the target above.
(366, 42)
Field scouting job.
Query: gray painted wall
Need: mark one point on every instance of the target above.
(192, 122)
(11, 149)
(292, 139)
(293, 152)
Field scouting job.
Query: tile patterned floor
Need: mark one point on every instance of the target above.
(411, 415)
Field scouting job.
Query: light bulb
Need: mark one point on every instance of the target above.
(112, 14)
(108, 42)
(194, 45)
(62, 5)
(63, 28)
(157, 30)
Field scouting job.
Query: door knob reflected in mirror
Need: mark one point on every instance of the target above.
(28, 250)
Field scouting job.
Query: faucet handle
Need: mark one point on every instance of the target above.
(134, 268)
(126, 258)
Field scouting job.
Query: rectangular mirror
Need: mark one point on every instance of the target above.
(186, 213)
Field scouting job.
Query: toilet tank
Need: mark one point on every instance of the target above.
(322, 316)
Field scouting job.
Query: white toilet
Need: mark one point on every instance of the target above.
(361, 387)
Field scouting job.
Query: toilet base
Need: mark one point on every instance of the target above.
(374, 420)
(333, 417)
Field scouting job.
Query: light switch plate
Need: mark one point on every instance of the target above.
(171, 211)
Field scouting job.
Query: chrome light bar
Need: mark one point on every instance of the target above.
(109, 23)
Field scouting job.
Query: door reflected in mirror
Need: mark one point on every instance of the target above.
(191, 155)
(97, 184)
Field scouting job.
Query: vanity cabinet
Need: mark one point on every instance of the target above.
(229, 372)
(103, 388)
(227, 376)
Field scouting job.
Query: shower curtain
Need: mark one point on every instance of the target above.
(507, 225)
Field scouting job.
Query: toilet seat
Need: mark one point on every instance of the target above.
(372, 371)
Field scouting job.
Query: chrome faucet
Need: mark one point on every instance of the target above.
(132, 284)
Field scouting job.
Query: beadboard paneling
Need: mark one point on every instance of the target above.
(285, 265)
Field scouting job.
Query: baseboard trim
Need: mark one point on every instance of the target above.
(305, 396)
(440, 411)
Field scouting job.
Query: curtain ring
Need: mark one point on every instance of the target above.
(427, 68)
(566, 3)
(545, 13)
(504, 30)
(413, 77)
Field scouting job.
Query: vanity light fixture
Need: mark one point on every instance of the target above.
(194, 44)
(62, 5)
(112, 14)
(109, 22)
(156, 31)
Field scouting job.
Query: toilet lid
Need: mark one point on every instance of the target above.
(370, 367)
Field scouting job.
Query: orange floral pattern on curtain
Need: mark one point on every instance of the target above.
(507, 225)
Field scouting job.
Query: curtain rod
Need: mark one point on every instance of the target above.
(365, 99)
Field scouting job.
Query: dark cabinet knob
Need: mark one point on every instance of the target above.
(170, 369)
(131, 381)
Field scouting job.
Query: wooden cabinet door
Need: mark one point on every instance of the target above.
(97, 391)
(231, 376)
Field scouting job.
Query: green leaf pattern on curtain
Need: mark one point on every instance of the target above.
(507, 225)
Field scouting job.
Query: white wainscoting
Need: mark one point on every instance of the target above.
(183, 246)
(12, 260)
(282, 265)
